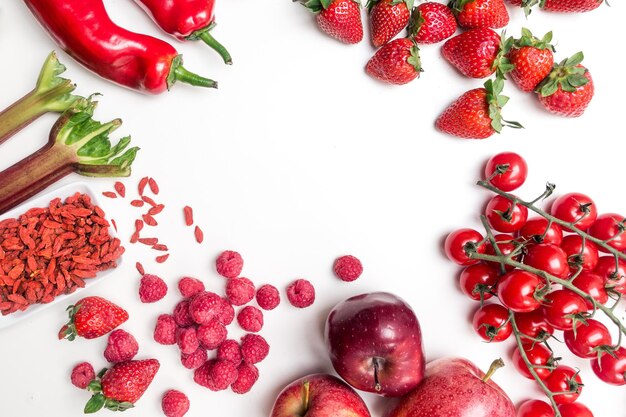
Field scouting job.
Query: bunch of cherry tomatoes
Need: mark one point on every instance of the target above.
(552, 272)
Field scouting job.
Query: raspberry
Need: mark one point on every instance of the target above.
(227, 315)
(82, 375)
(174, 403)
(121, 346)
(268, 297)
(190, 286)
(229, 264)
(205, 307)
(301, 293)
(212, 334)
(165, 330)
(201, 375)
(348, 268)
(151, 289)
(181, 314)
(239, 291)
(246, 377)
(230, 351)
(250, 319)
(223, 373)
(187, 340)
(195, 359)
(254, 348)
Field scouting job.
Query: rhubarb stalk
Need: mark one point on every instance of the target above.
(51, 94)
(77, 143)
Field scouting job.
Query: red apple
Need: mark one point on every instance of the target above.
(319, 395)
(375, 344)
(457, 388)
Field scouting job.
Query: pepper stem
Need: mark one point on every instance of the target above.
(495, 365)
(180, 73)
(206, 37)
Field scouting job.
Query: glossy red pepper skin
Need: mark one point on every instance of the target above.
(180, 18)
(84, 30)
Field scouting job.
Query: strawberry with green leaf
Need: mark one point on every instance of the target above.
(92, 317)
(559, 6)
(569, 88)
(473, 14)
(432, 22)
(340, 19)
(119, 388)
(533, 59)
(477, 113)
(387, 19)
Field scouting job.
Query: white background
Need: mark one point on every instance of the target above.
(298, 158)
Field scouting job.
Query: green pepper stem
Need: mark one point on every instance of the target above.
(185, 76)
(207, 38)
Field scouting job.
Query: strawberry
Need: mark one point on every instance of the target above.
(432, 23)
(341, 19)
(92, 317)
(479, 53)
(120, 387)
(397, 62)
(477, 113)
(387, 19)
(472, 14)
(533, 60)
(569, 88)
(561, 6)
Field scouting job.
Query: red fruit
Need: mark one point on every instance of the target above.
(229, 350)
(121, 346)
(611, 228)
(174, 404)
(613, 272)
(588, 337)
(227, 313)
(569, 88)
(571, 6)
(250, 319)
(563, 309)
(477, 281)
(239, 291)
(340, 19)
(187, 340)
(538, 230)
(229, 264)
(194, 360)
(592, 284)
(92, 317)
(538, 355)
(476, 114)
(475, 53)
(190, 286)
(254, 348)
(432, 23)
(491, 322)
(165, 330)
(201, 375)
(397, 62)
(152, 289)
(82, 375)
(577, 256)
(533, 59)
(301, 293)
(181, 314)
(576, 409)
(534, 325)
(460, 242)
(212, 334)
(223, 373)
(123, 385)
(611, 368)
(205, 306)
(507, 171)
(575, 208)
(505, 215)
(472, 14)
(247, 375)
(520, 291)
(387, 19)
(535, 408)
(268, 297)
(548, 258)
(507, 244)
(348, 268)
(566, 380)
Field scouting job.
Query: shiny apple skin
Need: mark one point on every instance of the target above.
(376, 325)
(328, 397)
(453, 387)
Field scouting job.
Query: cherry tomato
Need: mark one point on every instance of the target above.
(517, 290)
(613, 273)
(561, 307)
(478, 280)
(457, 242)
(575, 208)
(504, 216)
(538, 355)
(537, 231)
(535, 408)
(573, 246)
(491, 322)
(610, 369)
(592, 284)
(534, 325)
(506, 244)
(567, 380)
(610, 227)
(575, 410)
(587, 337)
(515, 171)
(549, 258)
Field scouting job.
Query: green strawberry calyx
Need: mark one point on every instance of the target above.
(317, 6)
(569, 75)
(68, 331)
(372, 3)
(457, 6)
(496, 102)
(416, 22)
(529, 40)
(415, 59)
(502, 64)
(99, 401)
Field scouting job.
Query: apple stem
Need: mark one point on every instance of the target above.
(495, 365)
(305, 396)
(377, 365)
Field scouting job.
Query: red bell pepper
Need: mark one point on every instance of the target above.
(186, 20)
(141, 62)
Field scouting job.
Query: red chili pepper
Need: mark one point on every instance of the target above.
(186, 20)
(84, 30)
